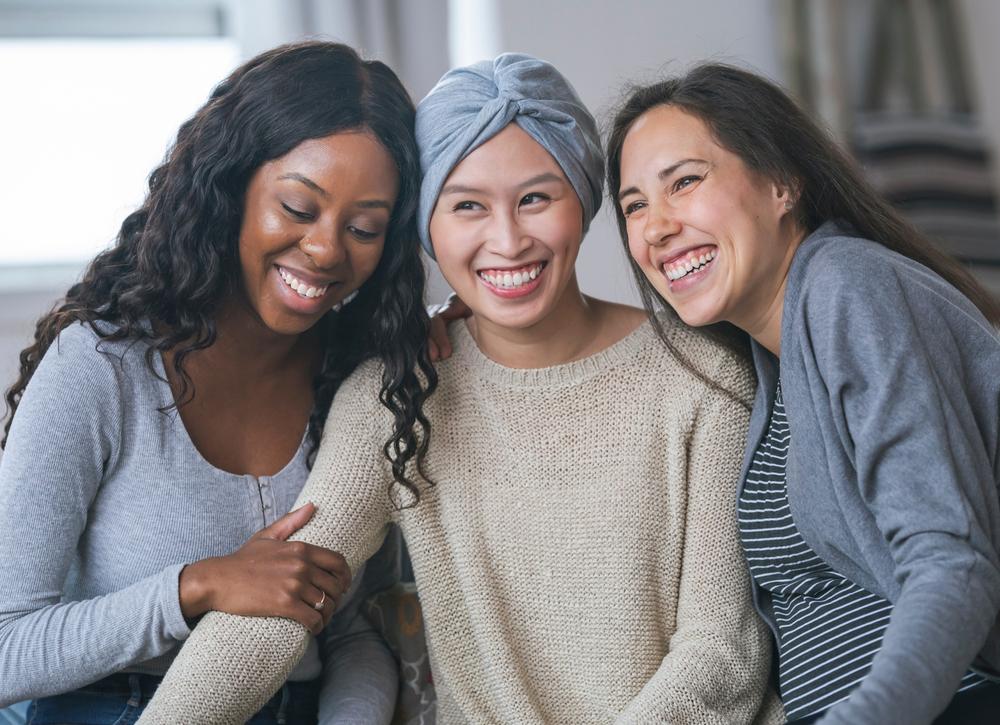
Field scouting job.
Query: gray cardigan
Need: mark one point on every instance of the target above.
(891, 383)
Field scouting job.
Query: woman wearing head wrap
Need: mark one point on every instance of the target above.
(573, 539)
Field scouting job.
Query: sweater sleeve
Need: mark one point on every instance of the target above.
(892, 365)
(717, 666)
(64, 438)
(231, 665)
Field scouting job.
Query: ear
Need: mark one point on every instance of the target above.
(785, 197)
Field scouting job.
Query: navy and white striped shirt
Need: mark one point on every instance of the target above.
(829, 629)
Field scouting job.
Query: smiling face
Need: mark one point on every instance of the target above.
(713, 238)
(506, 230)
(314, 226)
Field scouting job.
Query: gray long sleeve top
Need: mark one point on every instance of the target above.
(891, 383)
(103, 500)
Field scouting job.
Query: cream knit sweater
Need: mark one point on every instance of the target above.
(578, 560)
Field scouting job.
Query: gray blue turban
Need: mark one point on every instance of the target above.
(471, 105)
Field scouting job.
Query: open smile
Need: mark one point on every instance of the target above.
(302, 287)
(516, 282)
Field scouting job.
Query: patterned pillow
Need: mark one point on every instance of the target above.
(396, 614)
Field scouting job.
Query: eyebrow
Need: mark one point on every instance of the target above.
(543, 178)
(304, 180)
(367, 204)
(662, 175)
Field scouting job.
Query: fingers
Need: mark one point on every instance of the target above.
(329, 561)
(454, 309)
(287, 524)
(304, 612)
(438, 344)
(333, 587)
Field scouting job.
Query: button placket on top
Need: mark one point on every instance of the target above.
(265, 491)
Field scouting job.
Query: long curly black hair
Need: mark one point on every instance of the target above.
(175, 258)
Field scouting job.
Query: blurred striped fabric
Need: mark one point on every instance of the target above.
(937, 170)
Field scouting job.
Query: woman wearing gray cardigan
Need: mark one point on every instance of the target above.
(868, 510)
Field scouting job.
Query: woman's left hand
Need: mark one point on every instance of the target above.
(452, 309)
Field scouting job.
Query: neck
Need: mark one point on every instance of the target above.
(565, 334)
(763, 323)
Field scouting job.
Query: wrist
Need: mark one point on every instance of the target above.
(195, 591)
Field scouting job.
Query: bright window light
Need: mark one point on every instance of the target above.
(84, 123)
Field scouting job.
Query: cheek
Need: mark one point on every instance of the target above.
(454, 244)
(366, 260)
(562, 233)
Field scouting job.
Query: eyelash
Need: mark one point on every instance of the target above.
(535, 195)
(300, 215)
(631, 208)
(363, 234)
(532, 198)
(678, 184)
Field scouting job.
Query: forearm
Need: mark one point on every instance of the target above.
(708, 677)
(59, 647)
(936, 630)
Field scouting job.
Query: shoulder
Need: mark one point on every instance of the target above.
(696, 365)
(727, 366)
(840, 282)
(80, 360)
(358, 400)
(75, 393)
(833, 266)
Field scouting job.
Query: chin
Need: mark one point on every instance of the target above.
(512, 319)
(693, 317)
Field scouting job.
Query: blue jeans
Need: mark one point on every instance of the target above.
(120, 699)
(14, 714)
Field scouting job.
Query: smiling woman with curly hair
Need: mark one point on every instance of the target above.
(171, 405)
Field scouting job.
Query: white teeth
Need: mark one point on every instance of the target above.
(682, 269)
(300, 287)
(511, 280)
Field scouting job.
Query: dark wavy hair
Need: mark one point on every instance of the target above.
(175, 258)
(755, 119)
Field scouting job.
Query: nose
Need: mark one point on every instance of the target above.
(325, 247)
(506, 238)
(660, 224)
